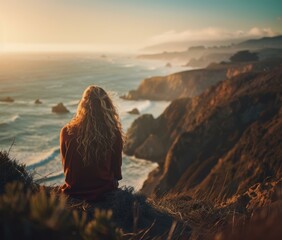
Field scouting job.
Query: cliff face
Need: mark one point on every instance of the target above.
(222, 142)
(188, 84)
(162, 130)
(192, 83)
(233, 72)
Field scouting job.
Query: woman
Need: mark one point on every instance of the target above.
(91, 147)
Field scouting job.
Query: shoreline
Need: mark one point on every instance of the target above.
(36, 129)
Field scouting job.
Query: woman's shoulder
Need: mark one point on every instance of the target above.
(64, 130)
(68, 131)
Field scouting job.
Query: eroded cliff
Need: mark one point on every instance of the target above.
(192, 83)
(222, 142)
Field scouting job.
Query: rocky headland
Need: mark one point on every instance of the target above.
(188, 83)
(224, 143)
(194, 82)
(219, 174)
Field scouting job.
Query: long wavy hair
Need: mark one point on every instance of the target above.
(98, 125)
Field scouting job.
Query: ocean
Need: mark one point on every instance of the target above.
(31, 131)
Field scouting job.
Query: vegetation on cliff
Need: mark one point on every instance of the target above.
(11, 171)
(219, 174)
(31, 211)
(244, 56)
(222, 150)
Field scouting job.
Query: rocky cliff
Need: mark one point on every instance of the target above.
(194, 82)
(187, 83)
(221, 143)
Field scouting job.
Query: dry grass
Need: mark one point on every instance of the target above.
(39, 212)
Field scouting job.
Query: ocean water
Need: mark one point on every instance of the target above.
(33, 130)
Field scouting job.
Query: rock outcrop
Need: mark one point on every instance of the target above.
(7, 99)
(60, 108)
(134, 111)
(168, 65)
(37, 101)
(152, 148)
(222, 142)
(162, 131)
(139, 131)
(188, 84)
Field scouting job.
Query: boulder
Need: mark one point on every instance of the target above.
(168, 65)
(60, 108)
(37, 101)
(134, 111)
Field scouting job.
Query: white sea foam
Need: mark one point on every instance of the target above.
(44, 158)
(141, 105)
(129, 65)
(59, 85)
(136, 171)
(37, 134)
(53, 177)
(72, 103)
(10, 120)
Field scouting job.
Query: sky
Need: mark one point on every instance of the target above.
(131, 24)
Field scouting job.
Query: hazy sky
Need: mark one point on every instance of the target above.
(130, 24)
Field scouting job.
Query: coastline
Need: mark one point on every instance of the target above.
(36, 129)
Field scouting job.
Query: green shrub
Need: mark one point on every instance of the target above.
(11, 170)
(244, 56)
(31, 211)
(44, 215)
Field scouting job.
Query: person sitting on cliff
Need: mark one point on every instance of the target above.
(91, 147)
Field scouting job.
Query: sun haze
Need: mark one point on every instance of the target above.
(73, 25)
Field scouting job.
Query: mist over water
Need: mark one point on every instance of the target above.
(55, 78)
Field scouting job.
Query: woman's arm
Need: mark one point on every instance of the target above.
(117, 158)
(62, 144)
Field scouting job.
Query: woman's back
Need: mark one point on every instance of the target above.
(91, 147)
(88, 182)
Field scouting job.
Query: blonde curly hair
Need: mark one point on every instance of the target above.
(98, 125)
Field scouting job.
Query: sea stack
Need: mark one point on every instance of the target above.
(37, 101)
(60, 108)
(168, 65)
(134, 111)
(7, 99)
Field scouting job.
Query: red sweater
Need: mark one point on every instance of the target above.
(88, 182)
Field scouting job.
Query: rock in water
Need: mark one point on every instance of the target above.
(134, 111)
(7, 99)
(60, 108)
(37, 101)
(168, 65)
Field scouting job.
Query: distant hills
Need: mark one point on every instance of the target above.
(182, 46)
(202, 55)
(266, 42)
